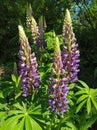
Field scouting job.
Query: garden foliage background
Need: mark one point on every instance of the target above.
(84, 19)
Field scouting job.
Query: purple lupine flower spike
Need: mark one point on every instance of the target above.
(58, 88)
(70, 53)
(28, 65)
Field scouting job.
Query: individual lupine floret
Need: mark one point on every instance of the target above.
(70, 53)
(28, 65)
(58, 87)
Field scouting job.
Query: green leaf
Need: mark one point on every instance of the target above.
(81, 98)
(84, 84)
(24, 106)
(37, 108)
(88, 105)
(17, 105)
(71, 125)
(13, 78)
(89, 123)
(39, 119)
(71, 102)
(17, 95)
(31, 124)
(80, 106)
(94, 102)
(35, 125)
(66, 119)
(80, 92)
(2, 125)
(79, 87)
(3, 106)
(12, 121)
(12, 112)
(72, 85)
(3, 115)
(1, 94)
(28, 123)
(20, 125)
(18, 81)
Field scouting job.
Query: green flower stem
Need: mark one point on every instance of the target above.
(59, 126)
(50, 127)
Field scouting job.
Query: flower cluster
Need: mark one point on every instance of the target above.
(28, 65)
(32, 25)
(70, 53)
(65, 68)
(36, 31)
(58, 88)
(42, 25)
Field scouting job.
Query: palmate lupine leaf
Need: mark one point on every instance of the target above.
(87, 98)
(22, 118)
(80, 106)
(93, 93)
(68, 124)
(84, 84)
(81, 98)
(88, 123)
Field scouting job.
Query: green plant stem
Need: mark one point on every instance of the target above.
(50, 127)
(59, 126)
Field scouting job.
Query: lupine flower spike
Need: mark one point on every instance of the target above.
(32, 25)
(58, 88)
(70, 53)
(36, 31)
(28, 65)
(42, 27)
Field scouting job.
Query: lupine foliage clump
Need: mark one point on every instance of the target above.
(47, 95)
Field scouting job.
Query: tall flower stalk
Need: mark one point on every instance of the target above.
(36, 31)
(70, 53)
(42, 27)
(58, 87)
(32, 25)
(28, 65)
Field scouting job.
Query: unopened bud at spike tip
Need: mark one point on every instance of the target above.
(68, 17)
(21, 33)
